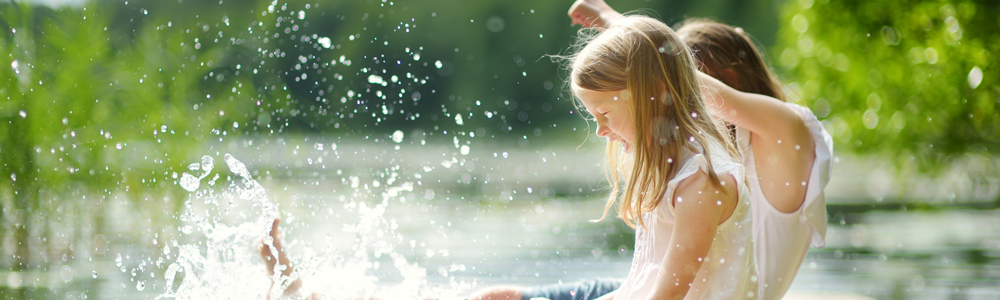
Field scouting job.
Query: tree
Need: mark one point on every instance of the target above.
(912, 80)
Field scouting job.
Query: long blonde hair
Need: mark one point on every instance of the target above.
(646, 59)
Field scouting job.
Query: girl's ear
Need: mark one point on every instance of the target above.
(730, 78)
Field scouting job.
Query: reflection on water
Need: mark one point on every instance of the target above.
(467, 221)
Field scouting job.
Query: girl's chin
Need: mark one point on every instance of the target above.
(625, 146)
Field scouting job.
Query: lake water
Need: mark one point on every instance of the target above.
(520, 216)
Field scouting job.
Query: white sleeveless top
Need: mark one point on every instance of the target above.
(782, 239)
(729, 270)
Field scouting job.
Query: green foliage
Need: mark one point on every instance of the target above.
(913, 80)
(95, 100)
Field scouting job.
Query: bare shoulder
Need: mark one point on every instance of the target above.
(699, 187)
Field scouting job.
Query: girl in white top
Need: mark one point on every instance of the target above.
(676, 177)
(785, 148)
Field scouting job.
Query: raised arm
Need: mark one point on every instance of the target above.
(768, 117)
(697, 215)
(782, 145)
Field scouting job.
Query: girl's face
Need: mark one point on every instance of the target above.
(612, 114)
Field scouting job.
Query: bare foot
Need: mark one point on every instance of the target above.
(275, 260)
(593, 14)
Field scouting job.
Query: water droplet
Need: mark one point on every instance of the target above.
(207, 163)
(23, 114)
(718, 202)
(504, 154)
(458, 120)
(141, 285)
(694, 115)
(464, 150)
(236, 166)
(438, 64)
(325, 42)
(397, 136)
(188, 182)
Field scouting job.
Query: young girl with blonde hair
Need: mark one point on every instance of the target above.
(679, 182)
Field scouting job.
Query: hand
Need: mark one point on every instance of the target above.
(593, 14)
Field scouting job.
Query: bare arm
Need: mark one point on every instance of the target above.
(697, 215)
(783, 147)
(763, 115)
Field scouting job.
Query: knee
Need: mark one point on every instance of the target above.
(497, 293)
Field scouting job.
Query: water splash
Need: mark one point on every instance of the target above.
(216, 255)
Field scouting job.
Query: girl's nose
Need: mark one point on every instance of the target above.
(602, 131)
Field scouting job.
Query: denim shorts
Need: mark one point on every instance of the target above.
(580, 290)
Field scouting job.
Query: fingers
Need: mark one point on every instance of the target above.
(579, 19)
(576, 13)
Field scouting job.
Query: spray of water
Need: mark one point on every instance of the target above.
(216, 255)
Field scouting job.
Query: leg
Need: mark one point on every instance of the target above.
(497, 293)
(275, 259)
(600, 288)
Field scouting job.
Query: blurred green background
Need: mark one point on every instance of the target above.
(104, 103)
